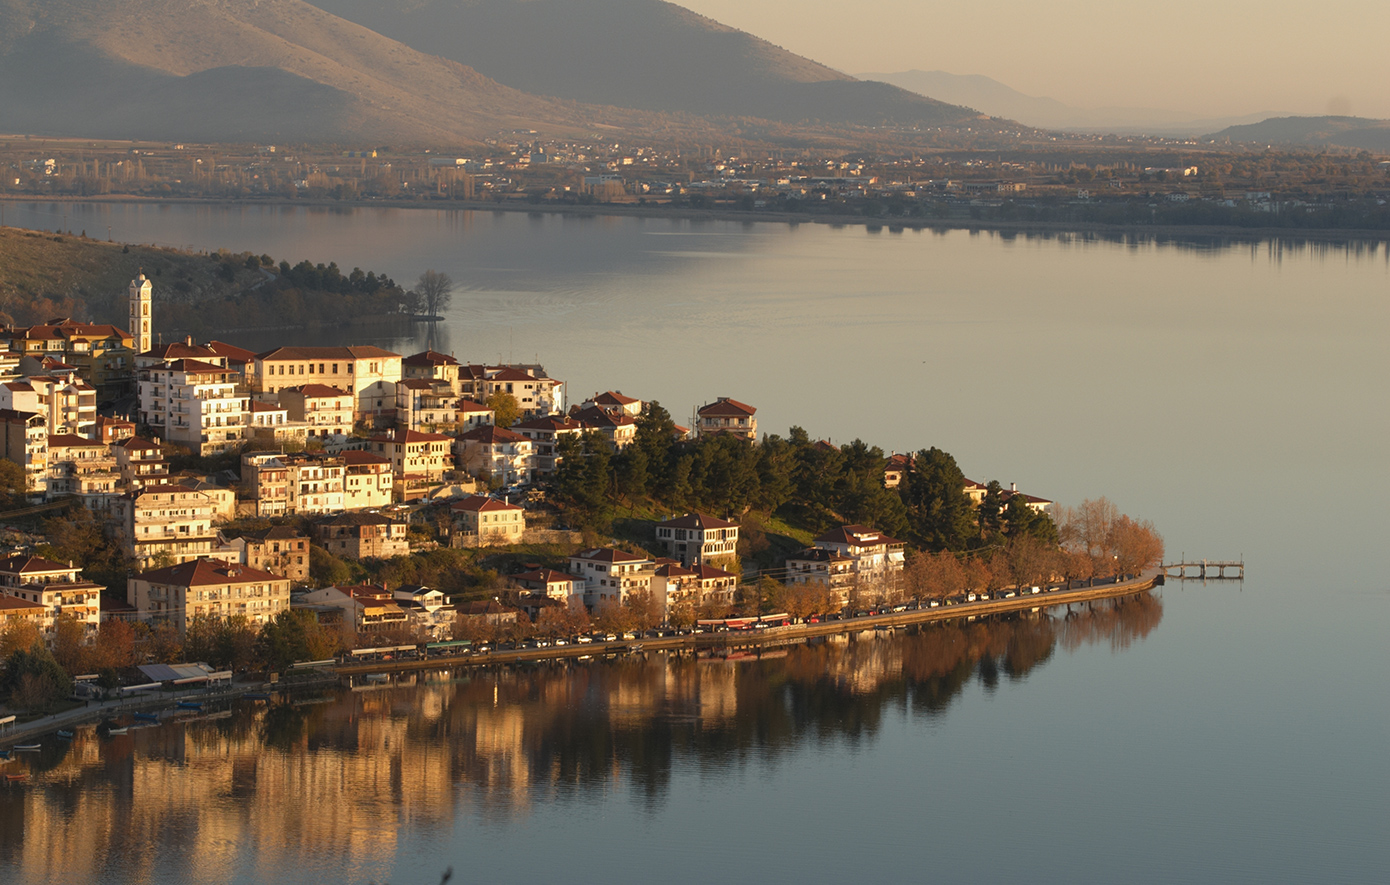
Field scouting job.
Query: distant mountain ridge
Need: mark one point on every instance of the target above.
(1348, 132)
(992, 97)
(643, 54)
(229, 70)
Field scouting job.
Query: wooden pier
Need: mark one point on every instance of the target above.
(1205, 570)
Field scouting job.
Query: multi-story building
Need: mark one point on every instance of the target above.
(294, 484)
(59, 589)
(545, 434)
(271, 423)
(418, 459)
(281, 550)
(163, 521)
(68, 402)
(426, 405)
(482, 520)
(610, 575)
(139, 462)
(618, 427)
(431, 366)
(371, 607)
(471, 415)
(534, 392)
(702, 585)
(324, 410)
(368, 481)
(363, 536)
(560, 586)
(207, 588)
(502, 454)
(851, 555)
(697, 538)
(101, 353)
(113, 430)
(353, 369)
(613, 401)
(25, 436)
(85, 467)
(726, 415)
(194, 404)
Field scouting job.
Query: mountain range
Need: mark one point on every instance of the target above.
(992, 97)
(423, 71)
(1357, 133)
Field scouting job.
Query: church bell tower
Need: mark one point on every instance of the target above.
(141, 292)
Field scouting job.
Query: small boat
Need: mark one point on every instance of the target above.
(28, 748)
(122, 730)
(65, 735)
(4, 754)
(18, 776)
(189, 705)
(377, 677)
(147, 717)
(256, 696)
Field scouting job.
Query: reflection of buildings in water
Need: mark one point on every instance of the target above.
(339, 781)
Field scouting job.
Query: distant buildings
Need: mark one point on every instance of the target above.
(210, 588)
(696, 538)
(726, 415)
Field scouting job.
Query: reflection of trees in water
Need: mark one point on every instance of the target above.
(492, 742)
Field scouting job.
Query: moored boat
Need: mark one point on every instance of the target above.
(28, 748)
(147, 717)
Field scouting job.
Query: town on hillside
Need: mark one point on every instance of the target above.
(231, 493)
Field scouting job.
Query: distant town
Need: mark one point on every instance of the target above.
(246, 510)
(1127, 181)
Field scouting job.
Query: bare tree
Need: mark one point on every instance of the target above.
(437, 290)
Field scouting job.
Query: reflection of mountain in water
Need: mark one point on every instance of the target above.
(342, 775)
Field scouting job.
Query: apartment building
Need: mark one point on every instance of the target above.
(81, 466)
(418, 459)
(59, 589)
(351, 369)
(483, 520)
(698, 538)
(502, 454)
(281, 550)
(427, 405)
(209, 588)
(102, 353)
(545, 434)
(25, 436)
(139, 462)
(363, 536)
(323, 409)
(726, 415)
(368, 480)
(610, 575)
(283, 485)
(194, 404)
(163, 520)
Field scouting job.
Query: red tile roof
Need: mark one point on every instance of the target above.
(482, 503)
(358, 458)
(725, 407)
(429, 358)
(203, 572)
(492, 435)
(607, 554)
(613, 398)
(410, 436)
(467, 405)
(360, 352)
(72, 440)
(20, 563)
(856, 535)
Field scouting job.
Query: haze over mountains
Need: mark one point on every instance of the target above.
(640, 54)
(991, 97)
(1357, 133)
(252, 70)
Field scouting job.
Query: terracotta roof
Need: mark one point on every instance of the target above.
(727, 407)
(232, 353)
(204, 572)
(601, 418)
(359, 352)
(467, 405)
(429, 358)
(358, 458)
(482, 503)
(20, 386)
(14, 603)
(697, 520)
(179, 350)
(613, 398)
(72, 440)
(492, 435)
(12, 415)
(319, 390)
(351, 519)
(19, 563)
(135, 442)
(416, 384)
(277, 533)
(484, 607)
(710, 573)
(257, 406)
(857, 535)
(197, 367)
(673, 570)
(509, 374)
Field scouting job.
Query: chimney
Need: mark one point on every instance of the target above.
(1013, 486)
(188, 339)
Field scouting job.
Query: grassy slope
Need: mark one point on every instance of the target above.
(44, 275)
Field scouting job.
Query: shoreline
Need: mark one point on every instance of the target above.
(685, 213)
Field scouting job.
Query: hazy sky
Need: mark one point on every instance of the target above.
(1205, 56)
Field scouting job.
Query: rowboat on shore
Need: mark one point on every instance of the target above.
(122, 730)
(28, 748)
(17, 776)
(189, 705)
(256, 696)
(147, 717)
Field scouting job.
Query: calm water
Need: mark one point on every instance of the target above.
(1233, 394)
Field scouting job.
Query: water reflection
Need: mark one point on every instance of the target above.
(354, 781)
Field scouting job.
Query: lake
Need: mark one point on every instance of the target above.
(1232, 393)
